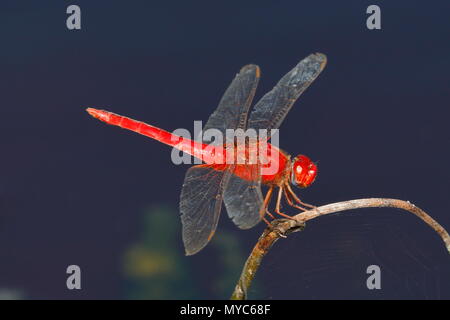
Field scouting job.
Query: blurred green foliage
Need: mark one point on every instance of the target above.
(11, 294)
(155, 267)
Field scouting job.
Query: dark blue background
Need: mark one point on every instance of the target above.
(72, 190)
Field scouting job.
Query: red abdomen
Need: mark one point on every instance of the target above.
(273, 163)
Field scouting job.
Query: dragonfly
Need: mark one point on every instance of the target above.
(238, 185)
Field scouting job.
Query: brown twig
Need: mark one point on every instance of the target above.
(282, 227)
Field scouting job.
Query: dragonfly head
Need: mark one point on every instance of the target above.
(304, 171)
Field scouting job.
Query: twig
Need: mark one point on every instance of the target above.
(282, 227)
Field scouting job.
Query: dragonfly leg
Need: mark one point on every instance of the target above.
(296, 198)
(269, 213)
(265, 207)
(278, 204)
(290, 202)
(267, 222)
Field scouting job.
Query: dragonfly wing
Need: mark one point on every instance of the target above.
(233, 108)
(273, 107)
(243, 199)
(200, 205)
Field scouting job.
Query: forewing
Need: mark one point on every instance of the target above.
(243, 199)
(273, 107)
(200, 205)
(233, 108)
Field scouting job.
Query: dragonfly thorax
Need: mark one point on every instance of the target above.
(304, 171)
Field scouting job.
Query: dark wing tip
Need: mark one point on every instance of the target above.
(190, 253)
(319, 57)
(251, 68)
(191, 247)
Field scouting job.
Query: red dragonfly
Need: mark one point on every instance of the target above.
(237, 185)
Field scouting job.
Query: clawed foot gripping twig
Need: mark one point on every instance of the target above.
(282, 227)
(291, 198)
